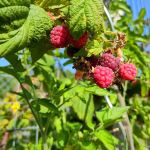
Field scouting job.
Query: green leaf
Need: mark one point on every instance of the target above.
(141, 39)
(15, 62)
(97, 91)
(142, 14)
(85, 146)
(45, 105)
(10, 71)
(83, 106)
(85, 15)
(33, 30)
(37, 50)
(108, 140)
(5, 3)
(94, 48)
(108, 116)
(144, 89)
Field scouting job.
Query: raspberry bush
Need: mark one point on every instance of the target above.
(72, 110)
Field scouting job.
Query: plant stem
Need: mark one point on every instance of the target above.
(27, 100)
(43, 3)
(120, 123)
(127, 124)
(30, 106)
(44, 142)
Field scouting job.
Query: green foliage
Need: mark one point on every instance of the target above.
(5, 3)
(107, 139)
(94, 48)
(32, 30)
(108, 117)
(85, 15)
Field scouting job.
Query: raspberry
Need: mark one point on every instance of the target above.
(128, 71)
(59, 36)
(103, 76)
(108, 60)
(81, 42)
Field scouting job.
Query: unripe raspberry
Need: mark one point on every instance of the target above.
(127, 71)
(108, 60)
(81, 42)
(94, 61)
(59, 36)
(103, 76)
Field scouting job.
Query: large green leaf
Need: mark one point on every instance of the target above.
(97, 91)
(33, 30)
(13, 14)
(110, 116)
(45, 105)
(84, 110)
(108, 140)
(85, 15)
(82, 103)
(4, 3)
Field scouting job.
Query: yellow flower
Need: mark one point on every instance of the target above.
(15, 107)
(10, 98)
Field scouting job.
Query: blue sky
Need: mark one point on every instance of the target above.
(3, 62)
(136, 6)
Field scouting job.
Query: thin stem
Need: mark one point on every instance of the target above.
(43, 3)
(30, 106)
(108, 101)
(27, 100)
(109, 18)
(125, 89)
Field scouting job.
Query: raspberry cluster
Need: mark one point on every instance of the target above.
(60, 37)
(105, 70)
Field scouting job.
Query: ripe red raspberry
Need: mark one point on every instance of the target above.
(59, 36)
(128, 71)
(103, 76)
(81, 42)
(108, 60)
